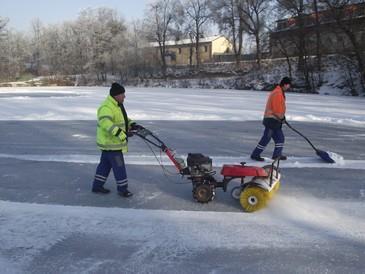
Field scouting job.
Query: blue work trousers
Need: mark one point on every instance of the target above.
(111, 160)
(278, 137)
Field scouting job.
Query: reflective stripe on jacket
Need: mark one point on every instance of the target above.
(110, 120)
(275, 106)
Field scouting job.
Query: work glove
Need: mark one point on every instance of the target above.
(283, 120)
(135, 126)
(121, 134)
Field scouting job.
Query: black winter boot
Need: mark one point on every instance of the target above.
(100, 189)
(281, 157)
(126, 193)
(257, 158)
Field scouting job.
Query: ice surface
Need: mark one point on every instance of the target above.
(314, 228)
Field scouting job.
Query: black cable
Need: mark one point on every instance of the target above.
(158, 160)
(166, 172)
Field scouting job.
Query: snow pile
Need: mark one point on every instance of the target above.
(319, 214)
(337, 158)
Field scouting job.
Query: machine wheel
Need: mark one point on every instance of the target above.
(236, 192)
(204, 193)
(253, 198)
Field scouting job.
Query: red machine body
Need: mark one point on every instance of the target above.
(199, 170)
(243, 171)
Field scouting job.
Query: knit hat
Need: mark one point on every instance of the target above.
(285, 80)
(116, 89)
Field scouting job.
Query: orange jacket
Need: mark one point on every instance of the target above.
(275, 105)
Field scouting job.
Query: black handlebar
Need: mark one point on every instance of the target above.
(145, 134)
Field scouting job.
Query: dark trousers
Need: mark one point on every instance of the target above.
(278, 137)
(111, 160)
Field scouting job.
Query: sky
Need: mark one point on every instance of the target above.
(21, 13)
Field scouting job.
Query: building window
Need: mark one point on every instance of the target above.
(205, 48)
(179, 50)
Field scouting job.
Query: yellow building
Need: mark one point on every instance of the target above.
(182, 52)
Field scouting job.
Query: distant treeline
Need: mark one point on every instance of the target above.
(100, 42)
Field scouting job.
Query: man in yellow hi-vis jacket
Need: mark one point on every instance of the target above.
(112, 139)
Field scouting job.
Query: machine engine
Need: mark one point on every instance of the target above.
(201, 174)
(199, 165)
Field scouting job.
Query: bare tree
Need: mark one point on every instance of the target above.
(252, 14)
(345, 14)
(318, 39)
(298, 10)
(283, 49)
(198, 13)
(226, 14)
(159, 18)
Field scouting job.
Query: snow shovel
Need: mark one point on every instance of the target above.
(323, 154)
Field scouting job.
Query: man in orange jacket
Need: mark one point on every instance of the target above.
(273, 119)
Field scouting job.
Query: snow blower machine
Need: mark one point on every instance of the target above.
(253, 194)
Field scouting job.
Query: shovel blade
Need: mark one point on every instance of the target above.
(325, 156)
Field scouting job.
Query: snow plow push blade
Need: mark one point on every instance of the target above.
(323, 154)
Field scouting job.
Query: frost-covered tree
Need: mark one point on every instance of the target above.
(93, 43)
(17, 54)
(3, 22)
(134, 61)
(62, 49)
(36, 47)
(13, 52)
(104, 34)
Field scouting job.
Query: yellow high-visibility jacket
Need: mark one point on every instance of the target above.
(111, 131)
